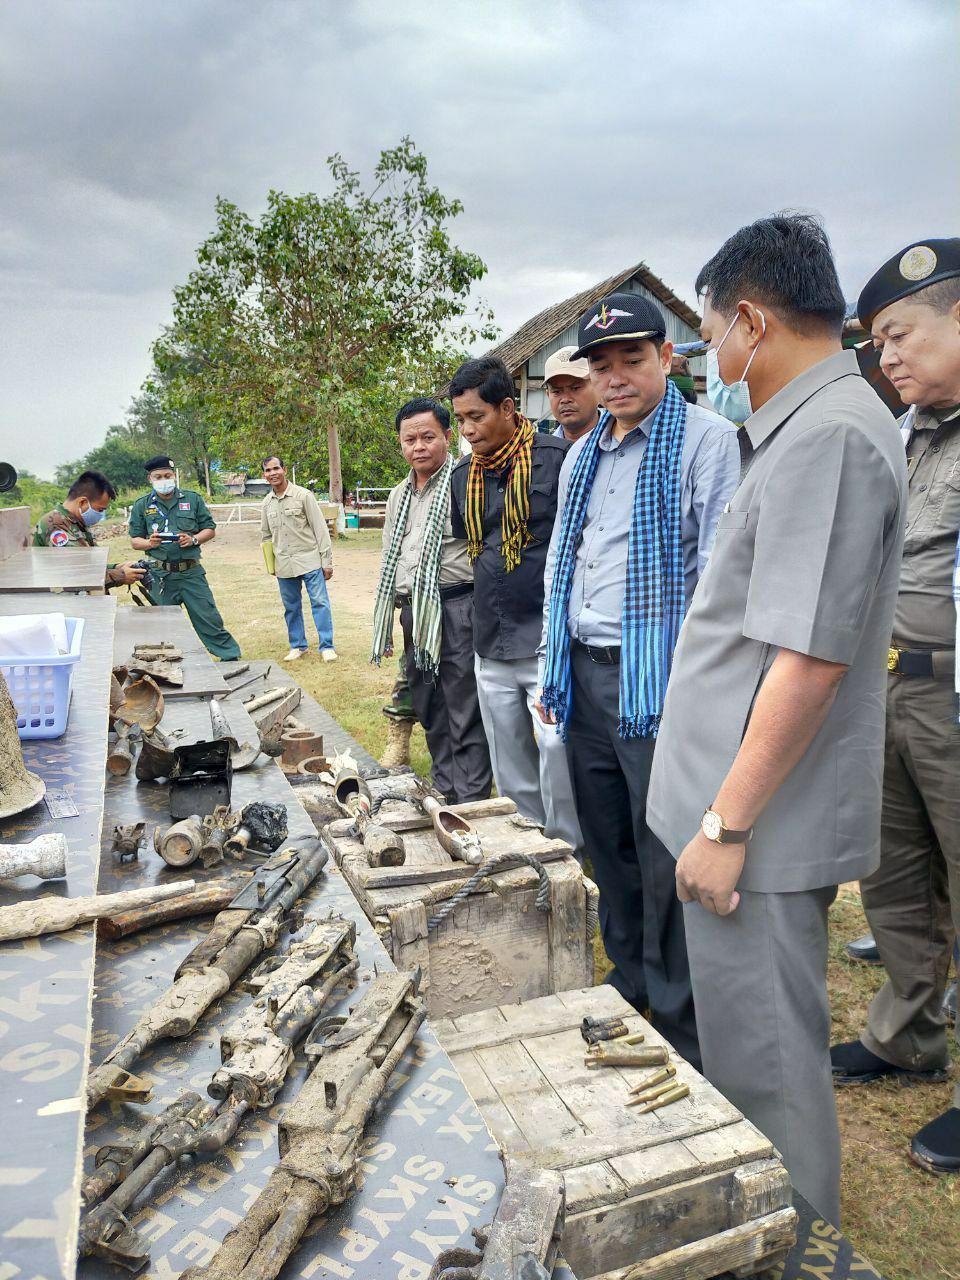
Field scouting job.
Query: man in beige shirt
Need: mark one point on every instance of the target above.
(292, 522)
(426, 572)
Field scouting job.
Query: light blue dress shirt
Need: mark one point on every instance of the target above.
(709, 474)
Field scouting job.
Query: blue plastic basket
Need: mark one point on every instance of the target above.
(41, 689)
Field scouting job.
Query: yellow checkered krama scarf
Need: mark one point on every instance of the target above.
(515, 455)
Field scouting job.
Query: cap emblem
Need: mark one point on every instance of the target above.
(918, 263)
(605, 318)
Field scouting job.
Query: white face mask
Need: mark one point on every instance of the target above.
(164, 487)
(731, 399)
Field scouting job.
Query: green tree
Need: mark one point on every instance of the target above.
(303, 332)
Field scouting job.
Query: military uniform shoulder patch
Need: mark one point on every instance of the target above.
(918, 263)
(59, 538)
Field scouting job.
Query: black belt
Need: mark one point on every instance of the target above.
(607, 655)
(935, 664)
(176, 565)
(446, 593)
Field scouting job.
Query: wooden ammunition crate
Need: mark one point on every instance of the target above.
(683, 1193)
(495, 946)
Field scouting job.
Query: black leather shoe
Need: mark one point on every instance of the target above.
(936, 1147)
(949, 1005)
(864, 950)
(853, 1064)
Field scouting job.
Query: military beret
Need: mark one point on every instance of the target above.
(921, 264)
(161, 461)
(619, 317)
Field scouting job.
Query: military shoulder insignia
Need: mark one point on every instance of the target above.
(918, 263)
(59, 539)
(606, 316)
(184, 506)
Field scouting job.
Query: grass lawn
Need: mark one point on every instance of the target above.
(905, 1221)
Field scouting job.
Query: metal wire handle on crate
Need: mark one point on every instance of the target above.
(542, 900)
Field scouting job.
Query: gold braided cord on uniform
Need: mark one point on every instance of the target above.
(516, 455)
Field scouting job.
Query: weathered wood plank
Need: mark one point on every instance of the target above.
(531, 1100)
(408, 945)
(571, 964)
(709, 1152)
(747, 1247)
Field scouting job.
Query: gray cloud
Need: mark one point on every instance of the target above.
(580, 136)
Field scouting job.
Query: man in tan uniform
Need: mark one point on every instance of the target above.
(912, 307)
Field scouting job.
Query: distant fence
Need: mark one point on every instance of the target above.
(235, 512)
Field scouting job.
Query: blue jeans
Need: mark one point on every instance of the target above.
(291, 595)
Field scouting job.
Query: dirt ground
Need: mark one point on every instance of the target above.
(905, 1221)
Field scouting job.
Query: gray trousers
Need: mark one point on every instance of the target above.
(912, 900)
(449, 709)
(760, 987)
(529, 758)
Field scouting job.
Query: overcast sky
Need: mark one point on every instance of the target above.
(581, 137)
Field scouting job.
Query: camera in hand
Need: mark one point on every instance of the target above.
(148, 579)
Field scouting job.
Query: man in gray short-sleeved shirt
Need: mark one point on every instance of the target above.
(774, 712)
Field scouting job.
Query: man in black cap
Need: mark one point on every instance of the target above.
(912, 308)
(171, 524)
(639, 501)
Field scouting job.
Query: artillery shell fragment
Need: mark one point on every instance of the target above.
(665, 1099)
(611, 1056)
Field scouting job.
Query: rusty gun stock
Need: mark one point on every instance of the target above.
(238, 935)
(321, 1131)
(454, 833)
(257, 1051)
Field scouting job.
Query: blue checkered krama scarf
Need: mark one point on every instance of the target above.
(653, 601)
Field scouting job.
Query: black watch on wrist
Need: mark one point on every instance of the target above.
(715, 829)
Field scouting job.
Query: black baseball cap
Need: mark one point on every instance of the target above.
(921, 264)
(619, 317)
(161, 461)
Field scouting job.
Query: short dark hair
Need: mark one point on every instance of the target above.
(942, 296)
(92, 485)
(784, 261)
(488, 376)
(423, 404)
(268, 458)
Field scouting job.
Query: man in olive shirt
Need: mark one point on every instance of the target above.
(767, 774)
(912, 306)
(292, 523)
(427, 573)
(70, 523)
(171, 524)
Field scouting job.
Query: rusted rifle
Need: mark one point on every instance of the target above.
(322, 1130)
(238, 935)
(257, 1052)
(454, 833)
(523, 1240)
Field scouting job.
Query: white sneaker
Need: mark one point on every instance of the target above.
(294, 654)
(328, 655)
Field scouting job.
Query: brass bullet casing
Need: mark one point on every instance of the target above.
(611, 1055)
(649, 1094)
(636, 1038)
(658, 1077)
(674, 1095)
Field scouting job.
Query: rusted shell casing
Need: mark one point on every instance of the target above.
(299, 744)
(180, 845)
(313, 766)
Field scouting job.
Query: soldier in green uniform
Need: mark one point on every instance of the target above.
(912, 308)
(70, 524)
(170, 525)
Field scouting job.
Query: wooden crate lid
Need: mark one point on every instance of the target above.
(524, 1066)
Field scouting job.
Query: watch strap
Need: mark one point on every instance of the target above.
(728, 836)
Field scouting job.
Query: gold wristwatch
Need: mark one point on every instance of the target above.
(715, 829)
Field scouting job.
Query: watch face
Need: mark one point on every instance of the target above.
(712, 825)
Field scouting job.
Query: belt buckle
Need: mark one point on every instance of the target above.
(893, 661)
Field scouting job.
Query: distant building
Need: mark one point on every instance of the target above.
(525, 352)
